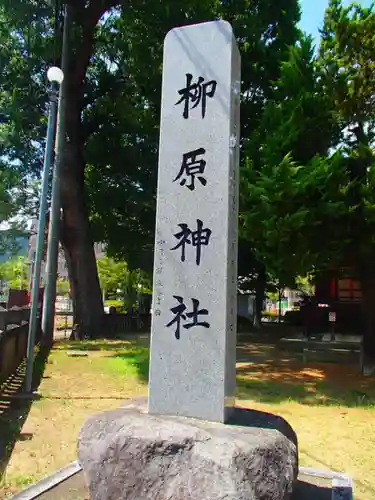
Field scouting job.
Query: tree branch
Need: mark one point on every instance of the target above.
(89, 17)
(84, 19)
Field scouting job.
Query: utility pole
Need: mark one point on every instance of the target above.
(48, 318)
(55, 76)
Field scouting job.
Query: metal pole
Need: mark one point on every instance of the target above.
(48, 317)
(40, 237)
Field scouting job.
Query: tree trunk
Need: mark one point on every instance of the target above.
(79, 251)
(260, 287)
(75, 231)
(368, 315)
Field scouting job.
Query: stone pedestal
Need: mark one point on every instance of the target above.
(130, 454)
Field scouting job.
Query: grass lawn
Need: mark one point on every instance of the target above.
(331, 408)
(114, 302)
(44, 439)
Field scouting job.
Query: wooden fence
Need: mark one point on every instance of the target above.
(13, 340)
(115, 324)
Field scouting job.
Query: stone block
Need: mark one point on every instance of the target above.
(193, 339)
(130, 454)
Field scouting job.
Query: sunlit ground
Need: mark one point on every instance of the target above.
(330, 406)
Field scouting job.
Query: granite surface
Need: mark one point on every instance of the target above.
(129, 454)
(192, 367)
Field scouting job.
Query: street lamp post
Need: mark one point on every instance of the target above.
(48, 315)
(55, 77)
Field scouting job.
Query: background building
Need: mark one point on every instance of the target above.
(62, 268)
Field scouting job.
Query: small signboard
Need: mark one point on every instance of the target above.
(332, 317)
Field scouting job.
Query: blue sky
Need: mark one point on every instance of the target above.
(313, 12)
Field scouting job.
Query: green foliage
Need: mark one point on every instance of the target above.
(8, 181)
(14, 273)
(116, 275)
(121, 151)
(10, 203)
(115, 303)
(118, 114)
(304, 207)
(299, 120)
(62, 287)
(27, 48)
(113, 275)
(347, 59)
(305, 284)
(290, 206)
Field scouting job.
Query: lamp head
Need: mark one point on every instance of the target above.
(55, 75)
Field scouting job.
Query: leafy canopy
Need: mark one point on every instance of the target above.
(310, 204)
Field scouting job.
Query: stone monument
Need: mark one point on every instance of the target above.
(191, 443)
(193, 341)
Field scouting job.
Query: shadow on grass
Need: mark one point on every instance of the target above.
(117, 344)
(268, 375)
(79, 398)
(292, 383)
(304, 391)
(291, 386)
(15, 407)
(309, 491)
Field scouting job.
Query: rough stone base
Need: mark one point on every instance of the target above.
(129, 454)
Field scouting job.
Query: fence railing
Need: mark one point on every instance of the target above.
(15, 317)
(13, 340)
(126, 323)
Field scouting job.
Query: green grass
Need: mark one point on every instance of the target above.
(22, 481)
(41, 439)
(306, 393)
(133, 362)
(118, 304)
(330, 406)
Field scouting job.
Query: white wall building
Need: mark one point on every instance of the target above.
(62, 267)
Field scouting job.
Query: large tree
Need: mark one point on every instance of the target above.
(297, 128)
(312, 204)
(112, 111)
(347, 58)
(264, 32)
